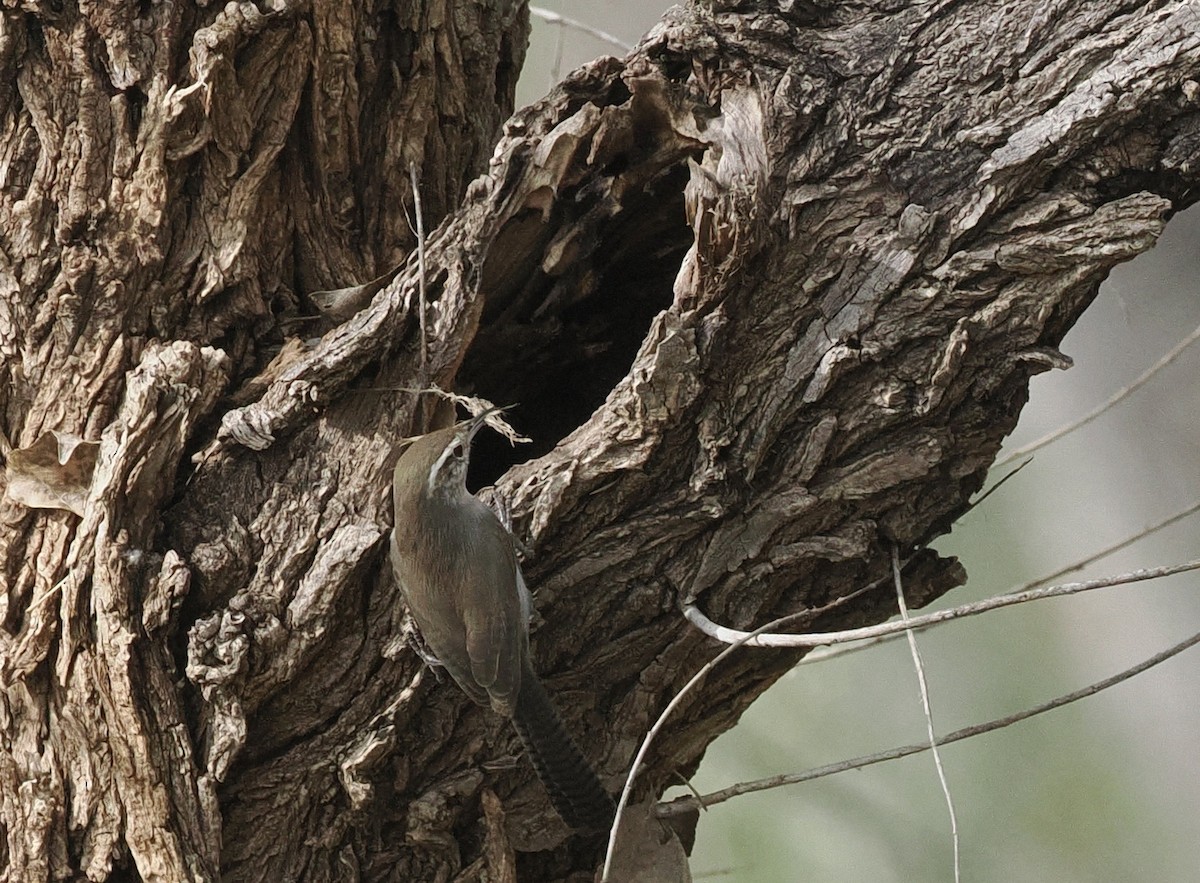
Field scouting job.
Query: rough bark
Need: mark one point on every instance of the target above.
(769, 291)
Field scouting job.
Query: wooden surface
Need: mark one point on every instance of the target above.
(768, 291)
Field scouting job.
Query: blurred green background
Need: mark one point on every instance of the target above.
(1107, 789)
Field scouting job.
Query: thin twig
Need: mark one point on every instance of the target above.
(819, 639)
(999, 484)
(926, 707)
(416, 195)
(658, 725)
(824, 654)
(636, 766)
(1113, 400)
(551, 17)
(560, 45)
(687, 783)
(1118, 546)
(686, 804)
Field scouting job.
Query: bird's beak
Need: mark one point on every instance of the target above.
(476, 423)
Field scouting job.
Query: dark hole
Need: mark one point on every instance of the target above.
(558, 346)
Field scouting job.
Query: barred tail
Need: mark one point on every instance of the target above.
(570, 781)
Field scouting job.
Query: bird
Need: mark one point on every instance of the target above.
(457, 569)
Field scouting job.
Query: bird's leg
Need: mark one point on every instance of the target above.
(496, 501)
(412, 637)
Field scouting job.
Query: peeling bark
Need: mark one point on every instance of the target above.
(769, 291)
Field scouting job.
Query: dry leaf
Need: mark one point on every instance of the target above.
(55, 472)
(648, 850)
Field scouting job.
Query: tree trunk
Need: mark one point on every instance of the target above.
(769, 292)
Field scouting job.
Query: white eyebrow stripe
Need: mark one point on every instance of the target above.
(437, 464)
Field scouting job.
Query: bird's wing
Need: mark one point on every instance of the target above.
(437, 616)
(495, 613)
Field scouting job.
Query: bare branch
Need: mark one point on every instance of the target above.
(819, 639)
(825, 654)
(627, 791)
(1113, 400)
(926, 708)
(699, 676)
(551, 17)
(420, 231)
(686, 804)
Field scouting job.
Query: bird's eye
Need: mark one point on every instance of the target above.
(458, 450)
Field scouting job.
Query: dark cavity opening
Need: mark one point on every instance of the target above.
(556, 345)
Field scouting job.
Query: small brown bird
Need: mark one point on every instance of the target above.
(458, 570)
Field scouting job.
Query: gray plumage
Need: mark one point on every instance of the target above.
(457, 568)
